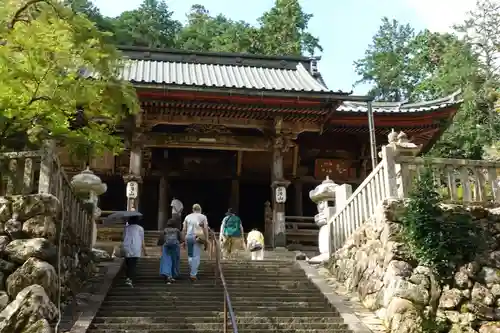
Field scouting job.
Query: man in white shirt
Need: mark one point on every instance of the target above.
(177, 208)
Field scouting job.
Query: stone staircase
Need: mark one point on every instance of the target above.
(267, 296)
(151, 237)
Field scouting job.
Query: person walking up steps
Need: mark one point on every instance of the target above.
(231, 234)
(195, 229)
(133, 245)
(177, 208)
(170, 242)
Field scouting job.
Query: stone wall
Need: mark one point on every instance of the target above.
(29, 229)
(376, 264)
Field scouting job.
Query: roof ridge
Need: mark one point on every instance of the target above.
(126, 48)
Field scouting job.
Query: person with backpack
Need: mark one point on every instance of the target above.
(231, 234)
(170, 241)
(195, 229)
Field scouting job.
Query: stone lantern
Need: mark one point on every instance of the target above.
(89, 186)
(324, 197)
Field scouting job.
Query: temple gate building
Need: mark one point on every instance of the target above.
(225, 130)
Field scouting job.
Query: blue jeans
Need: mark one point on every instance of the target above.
(168, 261)
(177, 267)
(194, 255)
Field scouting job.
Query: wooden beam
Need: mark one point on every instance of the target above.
(151, 119)
(219, 142)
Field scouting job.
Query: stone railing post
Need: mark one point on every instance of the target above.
(390, 172)
(342, 194)
(398, 145)
(46, 167)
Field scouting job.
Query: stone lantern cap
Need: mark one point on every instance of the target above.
(324, 191)
(87, 181)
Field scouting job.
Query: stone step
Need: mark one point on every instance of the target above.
(229, 269)
(217, 325)
(212, 296)
(158, 281)
(238, 275)
(219, 329)
(193, 294)
(109, 312)
(187, 308)
(207, 303)
(210, 319)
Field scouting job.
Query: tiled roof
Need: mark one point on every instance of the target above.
(221, 76)
(244, 71)
(404, 107)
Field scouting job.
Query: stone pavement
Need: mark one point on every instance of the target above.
(352, 301)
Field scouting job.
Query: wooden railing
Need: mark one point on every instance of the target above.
(301, 230)
(31, 172)
(458, 181)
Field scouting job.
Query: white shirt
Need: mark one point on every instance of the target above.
(193, 221)
(132, 241)
(177, 207)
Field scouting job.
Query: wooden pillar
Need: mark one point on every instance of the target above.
(134, 176)
(234, 201)
(235, 195)
(279, 229)
(298, 198)
(162, 203)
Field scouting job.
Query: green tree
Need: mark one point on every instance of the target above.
(283, 30)
(481, 30)
(477, 125)
(149, 25)
(46, 55)
(204, 32)
(386, 64)
(87, 8)
(403, 66)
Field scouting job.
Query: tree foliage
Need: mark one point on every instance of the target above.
(437, 239)
(150, 25)
(283, 30)
(204, 32)
(46, 53)
(386, 62)
(406, 66)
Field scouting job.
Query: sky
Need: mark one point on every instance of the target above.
(345, 28)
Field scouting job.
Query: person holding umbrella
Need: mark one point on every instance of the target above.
(133, 247)
(133, 241)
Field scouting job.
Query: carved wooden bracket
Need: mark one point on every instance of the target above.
(208, 129)
(132, 178)
(283, 141)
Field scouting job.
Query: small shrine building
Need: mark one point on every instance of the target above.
(225, 130)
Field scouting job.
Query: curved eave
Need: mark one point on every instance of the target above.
(446, 102)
